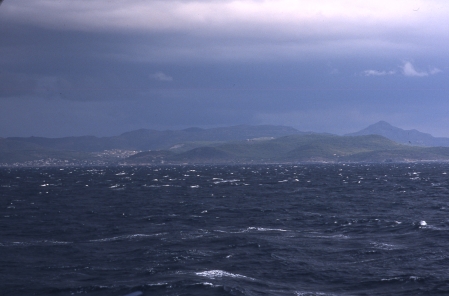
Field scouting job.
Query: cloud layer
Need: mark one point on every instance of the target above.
(407, 69)
(81, 67)
(248, 28)
(377, 73)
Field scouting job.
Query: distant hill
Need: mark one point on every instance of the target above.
(146, 139)
(299, 148)
(231, 145)
(407, 137)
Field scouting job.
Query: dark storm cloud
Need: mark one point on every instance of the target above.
(95, 67)
(46, 63)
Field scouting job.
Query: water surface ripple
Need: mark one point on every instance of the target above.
(225, 230)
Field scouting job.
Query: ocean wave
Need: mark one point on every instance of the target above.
(412, 278)
(213, 274)
(260, 229)
(226, 181)
(384, 246)
(34, 243)
(125, 237)
(266, 229)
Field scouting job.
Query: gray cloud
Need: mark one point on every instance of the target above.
(409, 70)
(80, 67)
(378, 73)
(246, 29)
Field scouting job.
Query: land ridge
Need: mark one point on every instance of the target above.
(227, 145)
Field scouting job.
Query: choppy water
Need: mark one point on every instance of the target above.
(225, 230)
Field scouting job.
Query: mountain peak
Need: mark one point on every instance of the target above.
(382, 123)
(399, 135)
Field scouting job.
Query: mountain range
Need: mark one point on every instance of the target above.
(237, 144)
(147, 139)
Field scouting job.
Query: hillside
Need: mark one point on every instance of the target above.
(407, 137)
(300, 148)
(239, 144)
(146, 139)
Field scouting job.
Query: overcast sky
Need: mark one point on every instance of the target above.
(95, 67)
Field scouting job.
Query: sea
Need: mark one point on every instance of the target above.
(303, 230)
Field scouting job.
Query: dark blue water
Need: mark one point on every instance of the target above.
(225, 230)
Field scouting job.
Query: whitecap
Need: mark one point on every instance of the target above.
(35, 243)
(384, 246)
(260, 229)
(56, 242)
(109, 239)
(213, 274)
(142, 235)
(392, 279)
(423, 223)
(267, 229)
(402, 279)
(195, 186)
(157, 284)
(337, 236)
(226, 181)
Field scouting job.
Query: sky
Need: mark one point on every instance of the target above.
(95, 67)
